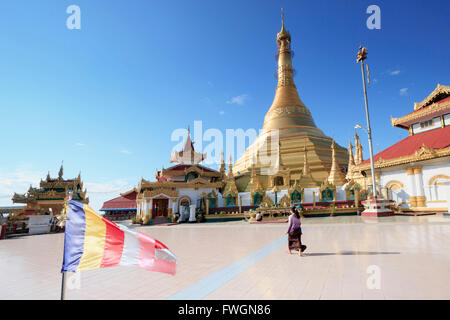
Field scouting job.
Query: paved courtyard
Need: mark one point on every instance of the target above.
(238, 260)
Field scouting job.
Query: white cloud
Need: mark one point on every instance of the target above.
(240, 100)
(394, 73)
(221, 112)
(99, 192)
(80, 144)
(18, 181)
(125, 151)
(403, 91)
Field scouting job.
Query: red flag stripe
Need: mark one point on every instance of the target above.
(146, 251)
(114, 242)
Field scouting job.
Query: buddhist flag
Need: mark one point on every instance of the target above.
(93, 242)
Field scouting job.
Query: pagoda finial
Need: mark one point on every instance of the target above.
(222, 164)
(282, 19)
(336, 176)
(61, 170)
(48, 176)
(230, 168)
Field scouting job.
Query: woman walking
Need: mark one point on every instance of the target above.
(295, 232)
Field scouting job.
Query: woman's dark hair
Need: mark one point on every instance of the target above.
(294, 209)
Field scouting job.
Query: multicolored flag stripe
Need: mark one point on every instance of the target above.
(93, 242)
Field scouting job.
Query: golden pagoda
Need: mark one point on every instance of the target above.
(288, 134)
(50, 195)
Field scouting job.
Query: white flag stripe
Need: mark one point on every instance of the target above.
(165, 254)
(131, 246)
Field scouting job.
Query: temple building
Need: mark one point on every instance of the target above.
(122, 207)
(49, 197)
(184, 190)
(414, 172)
(291, 157)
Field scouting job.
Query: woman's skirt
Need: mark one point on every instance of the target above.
(295, 240)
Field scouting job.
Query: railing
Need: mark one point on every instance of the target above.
(230, 210)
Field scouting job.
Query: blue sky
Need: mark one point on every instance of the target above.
(106, 98)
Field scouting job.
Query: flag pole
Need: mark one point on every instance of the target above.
(63, 286)
(63, 217)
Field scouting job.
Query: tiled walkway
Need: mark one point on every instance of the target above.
(237, 260)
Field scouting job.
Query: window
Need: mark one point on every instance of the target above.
(427, 123)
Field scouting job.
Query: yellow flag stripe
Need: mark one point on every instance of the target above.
(94, 240)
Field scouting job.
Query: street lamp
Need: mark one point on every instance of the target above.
(361, 56)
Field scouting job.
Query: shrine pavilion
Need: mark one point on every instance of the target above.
(180, 192)
(49, 197)
(414, 172)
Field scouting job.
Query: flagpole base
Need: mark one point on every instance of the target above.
(377, 208)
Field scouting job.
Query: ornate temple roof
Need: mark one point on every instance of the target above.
(436, 104)
(426, 145)
(53, 189)
(188, 154)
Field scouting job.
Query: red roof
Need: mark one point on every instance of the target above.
(186, 166)
(28, 213)
(122, 202)
(435, 139)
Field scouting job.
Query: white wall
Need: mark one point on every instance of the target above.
(447, 119)
(436, 124)
(432, 193)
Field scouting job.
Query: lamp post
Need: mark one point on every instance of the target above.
(361, 56)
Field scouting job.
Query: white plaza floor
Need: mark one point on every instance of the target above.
(238, 260)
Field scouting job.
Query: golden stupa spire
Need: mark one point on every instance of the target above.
(287, 110)
(351, 160)
(230, 168)
(222, 164)
(336, 177)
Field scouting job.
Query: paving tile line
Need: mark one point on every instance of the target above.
(206, 286)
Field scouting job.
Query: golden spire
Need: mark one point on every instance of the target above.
(230, 168)
(287, 110)
(351, 160)
(222, 164)
(336, 176)
(61, 170)
(357, 158)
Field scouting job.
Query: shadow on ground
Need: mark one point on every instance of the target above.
(348, 253)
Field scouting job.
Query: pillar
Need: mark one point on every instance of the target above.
(356, 197)
(192, 217)
(314, 199)
(411, 188)
(240, 203)
(207, 206)
(420, 192)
